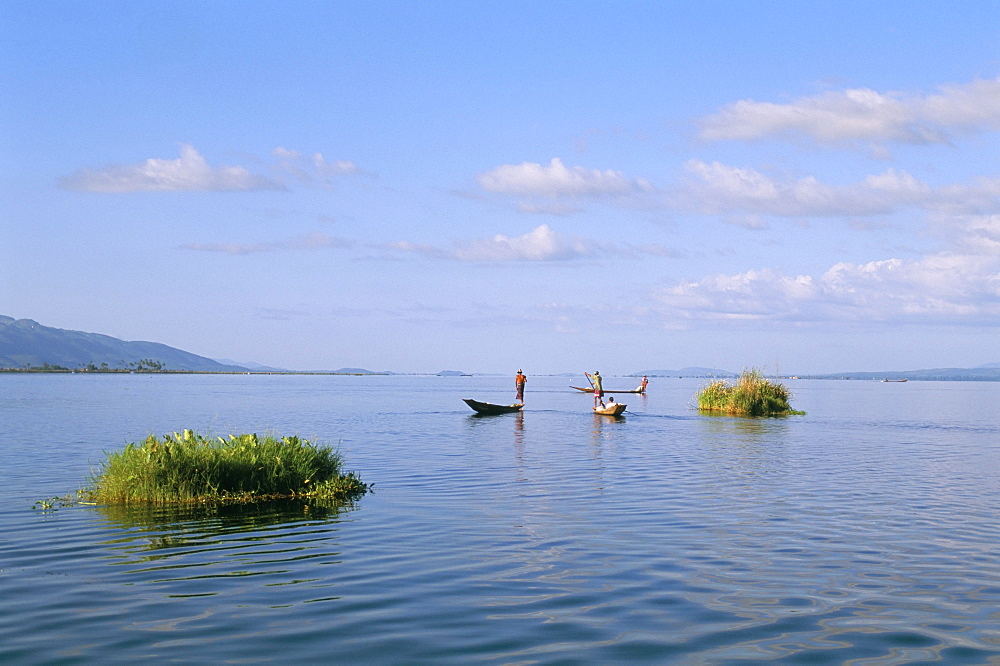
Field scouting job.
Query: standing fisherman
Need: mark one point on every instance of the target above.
(595, 381)
(519, 380)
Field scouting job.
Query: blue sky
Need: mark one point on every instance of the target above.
(558, 186)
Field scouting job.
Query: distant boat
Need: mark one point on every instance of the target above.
(893, 380)
(490, 408)
(591, 390)
(614, 409)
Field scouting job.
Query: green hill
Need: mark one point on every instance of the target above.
(26, 343)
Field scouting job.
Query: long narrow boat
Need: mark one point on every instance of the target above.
(490, 408)
(614, 409)
(591, 390)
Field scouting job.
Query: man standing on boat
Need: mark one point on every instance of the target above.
(519, 381)
(595, 381)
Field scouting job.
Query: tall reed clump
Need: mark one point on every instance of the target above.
(186, 467)
(751, 395)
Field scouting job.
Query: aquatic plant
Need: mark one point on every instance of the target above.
(54, 503)
(186, 467)
(751, 395)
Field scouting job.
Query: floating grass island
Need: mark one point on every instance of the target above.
(751, 395)
(189, 468)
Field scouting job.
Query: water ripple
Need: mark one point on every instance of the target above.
(864, 532)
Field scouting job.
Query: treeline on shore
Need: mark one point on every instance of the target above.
(143, 365)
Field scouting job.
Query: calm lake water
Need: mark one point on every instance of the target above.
(866, 531)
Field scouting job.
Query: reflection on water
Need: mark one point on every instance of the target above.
(222, 518)
(722, 428)
(741, 447)
(199, 550)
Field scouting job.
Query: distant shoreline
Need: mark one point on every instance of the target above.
(857, 377)
(39, 371)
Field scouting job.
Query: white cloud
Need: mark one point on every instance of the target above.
(336, 168)
(829, 118)
(978, 234)
(754, 294)
(970, 107)
(417, 248)
(555, 180)
(864, 115)
(720, 188)
(979, 197)
(312, 241)
(945, 287)
(285, 154)
(557, 208)
(311, 169)
(540, 244)
(938, 286)
(191, 173)
(188, 173)
(959, 284)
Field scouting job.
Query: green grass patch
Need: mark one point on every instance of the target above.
(186, 467)
(751, 395)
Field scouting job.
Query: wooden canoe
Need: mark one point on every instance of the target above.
(591, 390)
(490, 408)
(611, 410)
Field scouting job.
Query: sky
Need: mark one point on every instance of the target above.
(799, 187)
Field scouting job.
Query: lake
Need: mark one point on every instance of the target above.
(867, 530)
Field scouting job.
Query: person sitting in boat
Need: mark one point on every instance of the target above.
(611, 403)
(643, 384)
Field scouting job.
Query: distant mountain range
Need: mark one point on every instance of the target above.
(983, 373)
(249, 365)
(360, 371)
(687, 372)
(26, 343)
(989, 372)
